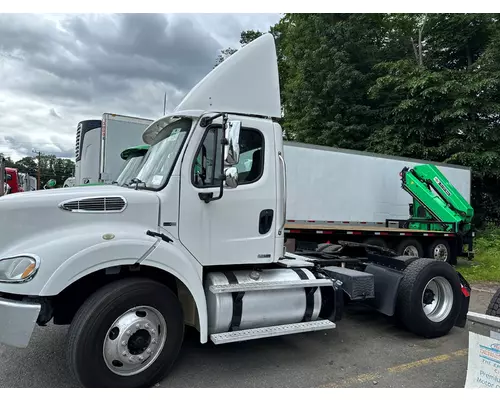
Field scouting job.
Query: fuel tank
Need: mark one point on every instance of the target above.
(260, 308)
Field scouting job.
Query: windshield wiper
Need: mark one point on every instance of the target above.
(137, 181)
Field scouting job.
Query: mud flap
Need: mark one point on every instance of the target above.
(464, 309)
(386, 288)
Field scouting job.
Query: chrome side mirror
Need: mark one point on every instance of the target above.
(232, 149)
(231, 177)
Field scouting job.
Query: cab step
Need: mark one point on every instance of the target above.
(271, 331)
(254, 286)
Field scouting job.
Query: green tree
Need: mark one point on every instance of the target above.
(328, 62)
(442, 102)
(245, 38)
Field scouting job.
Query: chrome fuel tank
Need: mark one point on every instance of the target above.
(260, 308)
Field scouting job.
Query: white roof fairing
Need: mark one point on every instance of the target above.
(245, 83)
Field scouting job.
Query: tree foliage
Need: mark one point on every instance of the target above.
(424, 86)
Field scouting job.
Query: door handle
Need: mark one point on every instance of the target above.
(265, 221)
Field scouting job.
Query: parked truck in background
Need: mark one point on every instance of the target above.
(196, 242)
(99, 143)
(133, 158)
(13, 180)
(27, 182)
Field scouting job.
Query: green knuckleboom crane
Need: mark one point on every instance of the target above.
(437, 204)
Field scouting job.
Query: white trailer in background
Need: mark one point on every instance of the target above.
(27, 182)
(337, 194)
(99, 144)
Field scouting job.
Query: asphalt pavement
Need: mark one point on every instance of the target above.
(365, 350)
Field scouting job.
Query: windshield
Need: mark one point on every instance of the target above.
(161, 156)
(129, 171)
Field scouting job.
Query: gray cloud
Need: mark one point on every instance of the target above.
(58, 70)
(53, 113)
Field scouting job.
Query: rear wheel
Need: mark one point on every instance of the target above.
(410, 248)
(127, 334)
(429, 298)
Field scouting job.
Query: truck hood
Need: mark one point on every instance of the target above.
(36, 216)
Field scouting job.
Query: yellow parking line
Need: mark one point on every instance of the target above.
(397, 369)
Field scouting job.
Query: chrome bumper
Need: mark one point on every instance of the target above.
(17, 321)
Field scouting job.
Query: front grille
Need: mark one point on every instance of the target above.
(95, 204)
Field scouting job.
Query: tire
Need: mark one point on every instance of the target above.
(494, 306)
(410, 247)
(440, 250)
(90, 335)
(410, 297)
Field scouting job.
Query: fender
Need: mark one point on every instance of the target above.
(95, 258)
(148, 251)
(174, 258)
(69, 254)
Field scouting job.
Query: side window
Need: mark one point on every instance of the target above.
(206, 168)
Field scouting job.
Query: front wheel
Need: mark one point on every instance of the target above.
(429, 298)
(127, 334)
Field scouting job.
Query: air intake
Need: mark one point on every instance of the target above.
(99, 204)
(78, 138)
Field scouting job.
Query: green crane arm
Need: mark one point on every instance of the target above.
(430, 188)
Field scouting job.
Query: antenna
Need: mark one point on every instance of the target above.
(165, 104)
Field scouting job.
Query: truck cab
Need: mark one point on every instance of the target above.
(197, 240)
(12, 180)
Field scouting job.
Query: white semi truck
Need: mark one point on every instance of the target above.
(99, 144)
(196, 242)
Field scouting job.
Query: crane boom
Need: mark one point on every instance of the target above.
(436, 198)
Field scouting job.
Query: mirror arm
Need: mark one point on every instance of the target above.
(205, 121)
(207, 197)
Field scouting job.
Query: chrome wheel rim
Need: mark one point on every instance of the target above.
(410, 251)
(134, 341)
(437, 299)
(440, 252)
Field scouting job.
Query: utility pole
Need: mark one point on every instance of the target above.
(39, 153)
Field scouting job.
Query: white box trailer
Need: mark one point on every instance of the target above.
(338, 194)
(99, 144)
(351, 185)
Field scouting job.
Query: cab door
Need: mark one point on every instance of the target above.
(239, 227)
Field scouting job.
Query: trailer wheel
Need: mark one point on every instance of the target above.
(494, 306)
(439, 250)
(411, 248)
(429, 297)
(127, 334)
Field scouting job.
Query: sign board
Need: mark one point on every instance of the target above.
(483, 366)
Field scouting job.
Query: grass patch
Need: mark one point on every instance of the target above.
(486, 263)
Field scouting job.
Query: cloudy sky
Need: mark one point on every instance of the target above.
(56, 70)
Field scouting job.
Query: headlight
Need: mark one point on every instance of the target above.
(18, 269)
